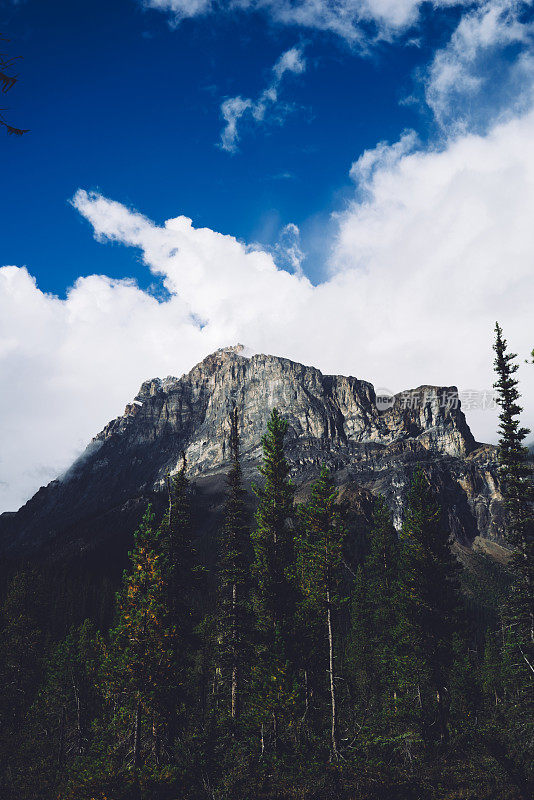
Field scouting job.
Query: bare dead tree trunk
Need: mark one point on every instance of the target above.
(137, 735)
(442, 715)
(235, 668)
(169, 491)
(331, 670)
(61, 748)
(79, 734)
(171, 728)
(156, 742)
(235, 696)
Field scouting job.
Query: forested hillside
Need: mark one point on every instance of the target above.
(306, 660)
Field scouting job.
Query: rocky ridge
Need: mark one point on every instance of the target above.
(371, 445)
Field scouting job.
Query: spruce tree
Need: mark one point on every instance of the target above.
(430, 608)
(320, 564)
(176, 532)
(183, 580)
(517, 487)
(140, 670)
(381, 568)
(372, 646)
(274, 595)
(234, 617)
(508, 670)
(58, 730)
(22, 660)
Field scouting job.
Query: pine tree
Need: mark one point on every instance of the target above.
(185, 585)
(273, 537)
(372, 647)
(234, 617)
(183, 574)
(430, 608)
(518, 491)
(22, 660)
(274, 595)
(320, 563)
(140, 671)
(177, 542)
(58, 730)
(381, 568)
(508, 669)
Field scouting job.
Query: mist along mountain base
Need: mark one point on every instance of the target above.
(167, 633)
(333, 420)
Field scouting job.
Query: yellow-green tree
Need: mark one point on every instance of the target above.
(139, 669)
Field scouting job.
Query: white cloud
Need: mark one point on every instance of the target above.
(181, 9)
(437, 247)
(290, 61)
(288, 252)
(233, 109)
(382, 157)
(349, 19)
(486, 69)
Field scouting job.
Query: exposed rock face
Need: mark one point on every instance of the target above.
(332, 419)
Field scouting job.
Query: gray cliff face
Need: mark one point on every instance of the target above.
(332, 419)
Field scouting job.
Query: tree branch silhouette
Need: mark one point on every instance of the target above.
(7, 81)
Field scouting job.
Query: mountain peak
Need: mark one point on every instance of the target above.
(334, 420)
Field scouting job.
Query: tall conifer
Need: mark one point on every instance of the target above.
(183, 582)
(430, 611)
(234, 629)
(139, 669)
(274, 593)
(372, 647)
(320, 565)
(518, 490)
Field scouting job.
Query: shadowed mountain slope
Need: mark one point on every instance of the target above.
(370, 446)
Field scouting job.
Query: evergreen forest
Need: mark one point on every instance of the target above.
(297, 664)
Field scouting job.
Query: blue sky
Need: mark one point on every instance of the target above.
(119, 101)
(347, 184)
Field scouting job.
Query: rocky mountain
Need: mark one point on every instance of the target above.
(370, 443)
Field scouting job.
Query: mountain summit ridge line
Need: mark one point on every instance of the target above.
(333, 420)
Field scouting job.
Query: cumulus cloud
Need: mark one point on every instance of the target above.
(486, 69)
(356, 21)
(436, 247)
(382, 157)
(233, 109)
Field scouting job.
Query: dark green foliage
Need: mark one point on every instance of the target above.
(22, 661)
(235, 624)
(508, 666)
(429, 616)
(58, 730)
(183, 581)
(302, 667)
(372, 657)
(139, 670)
(518, 490)
(320, 568)
(275, 671)
(273, 537)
